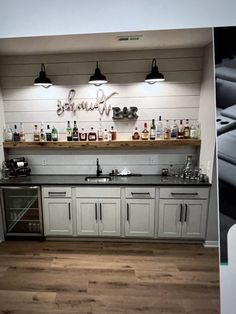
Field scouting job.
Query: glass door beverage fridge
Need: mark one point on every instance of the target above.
(22, 211)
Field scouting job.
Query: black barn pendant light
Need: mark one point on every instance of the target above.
(155, 75)
(42, 79)
(97, 78)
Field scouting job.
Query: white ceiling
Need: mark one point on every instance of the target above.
(161, 39)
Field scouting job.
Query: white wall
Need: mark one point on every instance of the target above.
(57, 17)
(177, 98)
(207, 113)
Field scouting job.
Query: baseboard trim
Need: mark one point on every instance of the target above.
(211, 244)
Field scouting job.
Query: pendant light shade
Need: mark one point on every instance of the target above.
(155, 75)
(97, 78)
(42, 79)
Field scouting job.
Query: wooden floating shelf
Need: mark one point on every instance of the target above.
(110, 144)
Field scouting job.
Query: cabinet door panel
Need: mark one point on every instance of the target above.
(170, 216)
(87, 217)
(109, 217)
(194, 222)
(57, 217)
(139, 218)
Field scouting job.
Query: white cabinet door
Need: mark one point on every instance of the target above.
(194, 220)
(170, 216)
(109, 217)
(139, 218)
(87, 217)
(57, 216)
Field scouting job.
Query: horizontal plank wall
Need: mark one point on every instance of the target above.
(176, 98)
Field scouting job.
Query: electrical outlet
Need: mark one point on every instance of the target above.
(44, 162)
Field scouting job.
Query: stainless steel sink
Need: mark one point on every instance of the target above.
(98, 179)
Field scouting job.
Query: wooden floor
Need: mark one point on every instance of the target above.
(97, 277)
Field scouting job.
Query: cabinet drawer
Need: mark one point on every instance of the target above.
(59, 191)
(98, 192)
(140, 192)
(180, 192)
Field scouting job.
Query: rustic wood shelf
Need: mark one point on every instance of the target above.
(111, 144)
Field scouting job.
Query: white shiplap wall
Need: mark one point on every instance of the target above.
(176, 98)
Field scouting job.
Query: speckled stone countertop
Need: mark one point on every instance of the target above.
(148, 180)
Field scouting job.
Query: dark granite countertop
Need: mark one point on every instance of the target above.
(149, 180)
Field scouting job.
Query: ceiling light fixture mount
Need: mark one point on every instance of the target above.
(154, 76)
(97, 78)
(42, 79)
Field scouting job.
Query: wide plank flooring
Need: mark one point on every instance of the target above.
(108, 278)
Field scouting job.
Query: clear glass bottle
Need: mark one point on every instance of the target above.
(36, 134)
(68, 132)
(83, 135)
(100, 130)
(188, 168)
(167, 130)
(186, 130)
(42, 134)
(16, 134)
(153, 130)
(180, 134)
(92, 136)
(105, 135)
(75, 132)
(48, 134)
(159, 128)
(174, 130)
(8, 134)
(22, 133)
(136, 135)
(54, 134)
(145, 133)
(193, 131)
(113, 133)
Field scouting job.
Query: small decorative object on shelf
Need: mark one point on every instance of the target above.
(129, 113)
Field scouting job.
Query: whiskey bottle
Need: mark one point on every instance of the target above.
(159, 128)
(36, 134)
(54, 134)
(153, 130)
(180, 134)
(167, 130)
(68, 132)
(113, 133)
(48, 134)
(92, 136)
(75, 133)
(83, 135)
(174, 130)
(16, 134)
(136, 135)
(22, 133)
(186, 130)
(145, 133)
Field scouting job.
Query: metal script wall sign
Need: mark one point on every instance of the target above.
(100, 103)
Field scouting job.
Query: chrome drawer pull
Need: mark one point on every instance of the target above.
(146, 195)
(180, 194)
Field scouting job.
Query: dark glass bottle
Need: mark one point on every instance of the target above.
(92, 136)
(75, 133)
(48, 134)
(16, 134)
(180, 130)
(68, 132)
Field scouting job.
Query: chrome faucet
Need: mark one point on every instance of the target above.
(99, 169)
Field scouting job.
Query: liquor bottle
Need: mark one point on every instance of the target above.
(54, 134)
(113, 133)
(186, 130)
(48, 134)
(136, 135)
(42, 134)
(68, 132)
(16, 134)
(92, 136)
(167, 130)
(180, 134)
(193, 131)
(105, 135)
(174, 130)
(75, 132)
(36, 134)
(145, 133)
(8, 134)
(83, 135)
(22, 133)
(159, 128)
(153, 130)
(100, 130)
